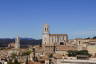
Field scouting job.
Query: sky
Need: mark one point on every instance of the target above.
(25, 18)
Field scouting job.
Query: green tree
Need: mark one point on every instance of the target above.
(13, 55)
(16, 61)
(10, 62)
(72, 53)
(75, 53)
(84, 52)
(28, 52)
(50, 55)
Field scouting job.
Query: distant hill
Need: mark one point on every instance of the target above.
(23, 41)
(91, 37)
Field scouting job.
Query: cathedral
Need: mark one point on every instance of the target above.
(49, 41)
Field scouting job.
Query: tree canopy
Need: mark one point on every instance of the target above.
(75, 53)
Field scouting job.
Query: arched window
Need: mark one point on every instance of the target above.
(79, 42)
(45, 29)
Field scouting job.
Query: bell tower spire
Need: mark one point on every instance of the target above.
(17, 42)
(46, 29)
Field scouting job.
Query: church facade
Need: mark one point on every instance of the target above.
(49, 41)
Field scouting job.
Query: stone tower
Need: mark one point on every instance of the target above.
(46, 29)
(17, 42)
(45, 37)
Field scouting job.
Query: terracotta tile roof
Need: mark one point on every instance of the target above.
(30, 62)
(44, 57)
(65, 48)
(58, 56)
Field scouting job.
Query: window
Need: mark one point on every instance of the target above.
(61, 43)
(45, 29)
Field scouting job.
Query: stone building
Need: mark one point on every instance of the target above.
(49, 41)
(85, 44)
(11, 45)
(17, 43)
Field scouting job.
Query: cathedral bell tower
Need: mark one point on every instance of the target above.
(17, 42)
(46, 29)
(45, 36)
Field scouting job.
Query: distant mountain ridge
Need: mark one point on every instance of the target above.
(23, 41)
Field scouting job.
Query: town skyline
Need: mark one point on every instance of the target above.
(47, 31)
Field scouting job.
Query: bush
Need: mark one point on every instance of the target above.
(75, 53)
(27, 53)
